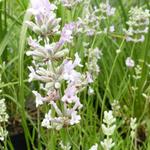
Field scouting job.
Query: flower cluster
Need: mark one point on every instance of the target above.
(106, 9)
(108, 128)
(45, 21)
(52, 68)
(92, 18)
(138, 24)
(133, 126)
(138, 72)
(116, 108)
(3, 117)
(3, 120)
(90, 21)
(70, 3)
(93, 56)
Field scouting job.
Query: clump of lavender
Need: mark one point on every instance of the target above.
(108, 128)
(90, 21)
(138, 24)
(106, 9)
(93, 56)
(52, 68)
(92, 17)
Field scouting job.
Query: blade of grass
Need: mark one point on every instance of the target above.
(21, 78)
(123, 12)
(5, 40)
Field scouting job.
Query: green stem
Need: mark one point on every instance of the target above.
(108, 81)
(78, 148)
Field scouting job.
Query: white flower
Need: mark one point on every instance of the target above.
(111, 28)
(108, 118)
(39, 99)
(94, 147)
(65, 147)
(2, 106)
(3, 133)
(130, 62)
(133, 126)
(89, 77)
(75, 118)
(46, 120)
(107, 144)
(116, 108)
(52, 122)
(90, 91)
(3, 114)
(108, 130)
(41, 74)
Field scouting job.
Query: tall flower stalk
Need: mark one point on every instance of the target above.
(138, 24)
(53, 68)
(108, 128)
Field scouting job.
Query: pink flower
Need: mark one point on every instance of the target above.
(45, 18)
(66, 34)
(42, 4)
(70, 95)
(130, 62)
(69, 73)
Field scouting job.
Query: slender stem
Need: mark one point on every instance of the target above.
(78, 148)
(107, 84)
(38, 127)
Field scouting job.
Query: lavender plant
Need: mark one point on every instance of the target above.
(138, 24)
(83, 57)
(53, 68)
